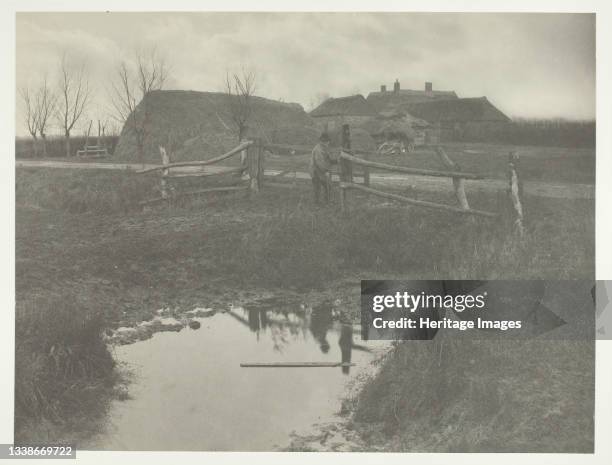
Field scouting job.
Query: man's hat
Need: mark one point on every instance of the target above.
(324, 137)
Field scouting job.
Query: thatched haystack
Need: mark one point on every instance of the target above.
(393, 125)
(197, 125)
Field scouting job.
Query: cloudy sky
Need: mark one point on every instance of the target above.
(529, 65)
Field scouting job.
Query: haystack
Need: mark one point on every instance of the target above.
(197, 125)
(394, 125)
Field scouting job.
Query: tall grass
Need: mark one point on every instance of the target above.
(304, 248)
(465, 395)
(63, 366)
(83, 191)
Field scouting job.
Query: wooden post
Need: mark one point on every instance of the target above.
(458, 183)
(261, 164)
(255, 158)
(346, 168)
(514, 191)
(243, 155)
(346, 144)
(366, 171)
(165, 172)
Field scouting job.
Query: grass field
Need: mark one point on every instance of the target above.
(87, 254)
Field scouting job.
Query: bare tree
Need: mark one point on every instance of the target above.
(239, 90)
(46, 103)
(74, 96)
(31, 118)
(129, 88)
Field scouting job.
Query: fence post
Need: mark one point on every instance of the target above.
(458, 183)
(255, 157)
(366, 171)
(243, 155)
(165, 172)
(346, 168)
(346, 144)
(514, 191)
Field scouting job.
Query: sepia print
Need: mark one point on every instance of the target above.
(199, 196)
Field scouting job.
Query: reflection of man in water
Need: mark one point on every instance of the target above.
(346, 346)
(257, 319)
(320, 322)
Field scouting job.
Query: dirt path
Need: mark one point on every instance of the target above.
(541, 189)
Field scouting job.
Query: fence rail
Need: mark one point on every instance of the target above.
(347, 155)
(251, 163)
(301, 149)
(348, 161)
(418, 203)
(211, 161)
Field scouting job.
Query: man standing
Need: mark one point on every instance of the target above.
(320, 165)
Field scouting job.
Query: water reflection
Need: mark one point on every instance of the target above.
(189, 392)
(285, 325)
(320, 322)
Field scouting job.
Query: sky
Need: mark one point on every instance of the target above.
(527, 64)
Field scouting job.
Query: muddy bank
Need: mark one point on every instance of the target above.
(340, 434)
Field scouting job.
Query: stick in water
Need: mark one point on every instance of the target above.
(295, 365)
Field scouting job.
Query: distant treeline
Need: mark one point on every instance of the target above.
(24, 146)
(548, 132)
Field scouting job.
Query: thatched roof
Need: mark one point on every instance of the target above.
(353, 105)
(390, 99)
(199, 126)
(460, 110)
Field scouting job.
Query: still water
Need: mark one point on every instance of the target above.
(189, 392)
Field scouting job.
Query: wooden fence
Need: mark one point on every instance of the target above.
(251, 170)
(301, 150)
(348, 161)
(249, 173)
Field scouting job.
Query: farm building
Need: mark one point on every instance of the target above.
(334, 112)
(385, 100)
(461, 118)
(197, 125)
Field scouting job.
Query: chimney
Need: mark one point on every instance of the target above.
(396, 86)
(383, 88)
(428, 87)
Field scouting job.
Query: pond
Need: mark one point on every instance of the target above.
(189, 391)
